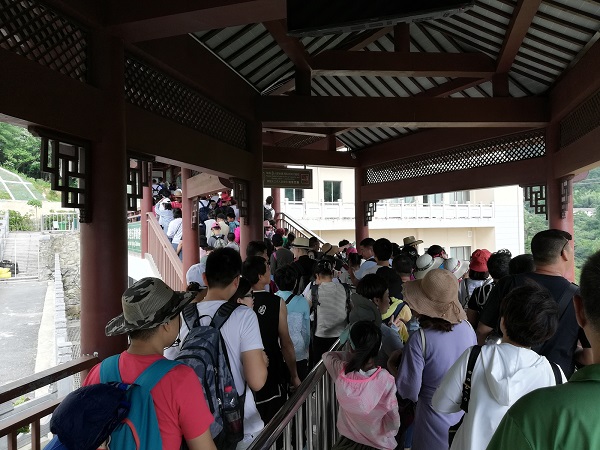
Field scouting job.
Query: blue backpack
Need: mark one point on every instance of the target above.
(123, 413)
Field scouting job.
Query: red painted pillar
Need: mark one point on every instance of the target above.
(146, 208)
(104, 239)
(559, 194)
(276, 194)
(191, 252)
(252, 226)
(362, 230)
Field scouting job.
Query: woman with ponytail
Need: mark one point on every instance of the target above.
(368, 410)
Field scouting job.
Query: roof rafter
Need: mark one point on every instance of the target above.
(471, 65)
(523, 14)
(299, 111)
(142, 20)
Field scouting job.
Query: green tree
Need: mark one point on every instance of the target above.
(19, 150)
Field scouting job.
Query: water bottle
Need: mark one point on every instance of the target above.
(232, 413)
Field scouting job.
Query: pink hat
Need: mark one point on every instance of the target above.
(216, 225)
(225, 196)
(479, 260)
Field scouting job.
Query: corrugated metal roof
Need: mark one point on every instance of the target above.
(558, 36)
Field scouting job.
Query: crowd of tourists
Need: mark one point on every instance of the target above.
(434, 352)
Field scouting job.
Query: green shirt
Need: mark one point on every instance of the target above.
(559, 417)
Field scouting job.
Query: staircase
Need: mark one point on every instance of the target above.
(285, 221)
(23, 247)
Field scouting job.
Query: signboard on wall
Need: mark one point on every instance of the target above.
(134, 237)
(287, 178)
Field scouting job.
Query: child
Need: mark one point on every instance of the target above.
(368, 416)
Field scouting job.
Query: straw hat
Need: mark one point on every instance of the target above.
(411, 240)
(456, 266)
(329, 249)
(436, 295)
(426, 263)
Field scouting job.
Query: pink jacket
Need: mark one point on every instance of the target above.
(368, 411)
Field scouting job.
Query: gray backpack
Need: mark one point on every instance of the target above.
(204, 350)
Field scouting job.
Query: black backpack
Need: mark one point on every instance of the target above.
(267, 213)
(203, 211)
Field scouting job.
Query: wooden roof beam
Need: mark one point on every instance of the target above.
(142, 20)
(337, 63)
(309, 157)
(577, 84)
(523, 14)
(412, 112)
(360, 42)
(428, 141)
(528, 171)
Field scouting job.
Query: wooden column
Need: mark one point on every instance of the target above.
(276, 194)
(362, 230)
(104, 239)
(146, 208)
(252, 226)
(559, 193)
(191, 251)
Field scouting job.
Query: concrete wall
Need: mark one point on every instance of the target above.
(66, 245)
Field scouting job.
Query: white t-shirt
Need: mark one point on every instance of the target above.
(175, 230)
(241, 334)
(209, 223)
(362, 270)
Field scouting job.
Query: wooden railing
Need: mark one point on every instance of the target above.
(285, 221)
(31, 416)
(163, 255)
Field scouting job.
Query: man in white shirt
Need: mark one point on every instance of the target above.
(365, 248)
(241, 334)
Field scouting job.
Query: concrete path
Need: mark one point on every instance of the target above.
(21, 307)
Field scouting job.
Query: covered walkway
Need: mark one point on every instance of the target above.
(504, 93)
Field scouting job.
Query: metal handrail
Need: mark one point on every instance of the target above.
(314, 400)
(285, 221)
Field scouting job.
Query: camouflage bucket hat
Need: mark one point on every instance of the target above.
(146, 304)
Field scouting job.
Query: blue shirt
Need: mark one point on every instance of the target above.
(298, 317)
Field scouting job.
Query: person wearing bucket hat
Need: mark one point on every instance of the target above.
(426, 263)
(412, 242)
(151, 319)
(478, 275)
(456, 266)
(330, 249)
(444, 335)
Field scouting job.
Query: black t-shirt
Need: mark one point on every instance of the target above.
(560, 347)
(479, 297)
(266, 307)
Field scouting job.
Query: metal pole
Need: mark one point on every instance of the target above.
(299, 428)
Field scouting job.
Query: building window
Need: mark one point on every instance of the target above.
(462, 253)
(460, 196)
(435, 199)
(332, 190)
(294, 195)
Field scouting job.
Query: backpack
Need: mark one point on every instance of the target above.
(123, 413)
(481, 294)
(267, 213)
(220, 241)
(204, 350)
(314, 294)
(203, 211)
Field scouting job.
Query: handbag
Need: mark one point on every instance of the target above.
(466, 393)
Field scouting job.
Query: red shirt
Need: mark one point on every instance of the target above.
(181, 409)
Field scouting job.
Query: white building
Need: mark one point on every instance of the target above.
(458, 221)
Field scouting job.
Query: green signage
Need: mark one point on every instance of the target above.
(134, 237)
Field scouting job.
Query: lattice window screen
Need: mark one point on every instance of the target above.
(298, 141)
(36, 32)
(157, 92)
(497, 151)
(581, 121)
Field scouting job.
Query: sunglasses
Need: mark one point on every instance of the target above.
(564, 246)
